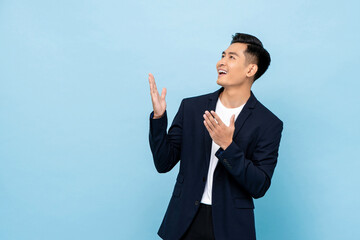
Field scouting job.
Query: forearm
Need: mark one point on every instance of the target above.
(254, 174)
(165, 148)
(252, 178)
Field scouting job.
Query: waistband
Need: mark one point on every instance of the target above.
(205, 205)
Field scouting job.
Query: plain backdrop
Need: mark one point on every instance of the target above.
(75, 161)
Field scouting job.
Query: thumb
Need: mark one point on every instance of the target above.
(163, 93)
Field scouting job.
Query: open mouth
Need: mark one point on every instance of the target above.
(222, 73)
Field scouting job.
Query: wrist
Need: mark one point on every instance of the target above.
(226, 145)
(155, 116)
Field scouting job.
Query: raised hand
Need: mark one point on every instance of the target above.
(158, 102)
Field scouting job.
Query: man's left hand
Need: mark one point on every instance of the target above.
(219, 132)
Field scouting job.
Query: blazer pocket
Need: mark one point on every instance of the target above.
(243, 203)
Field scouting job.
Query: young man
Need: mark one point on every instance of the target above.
(227, 143)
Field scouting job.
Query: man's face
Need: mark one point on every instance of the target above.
(233, 62)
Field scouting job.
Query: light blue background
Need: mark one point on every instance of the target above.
(75, 161)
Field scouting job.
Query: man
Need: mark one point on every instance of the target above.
(227, 143)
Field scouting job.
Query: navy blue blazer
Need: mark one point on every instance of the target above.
(243, 172)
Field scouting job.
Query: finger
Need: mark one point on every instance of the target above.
(152, 79)
(212, 119)
(217, 118)
(207, 127)
(153, 90)
(232, 121)
(208, 121)
(151, 82)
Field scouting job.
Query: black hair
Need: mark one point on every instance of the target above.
(256, 50)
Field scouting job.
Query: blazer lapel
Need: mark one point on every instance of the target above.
(245, 113)
(240, 120)
(211, 104)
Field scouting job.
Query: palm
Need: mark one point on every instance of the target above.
(158, 101)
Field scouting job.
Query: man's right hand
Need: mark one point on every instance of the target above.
(158, 102)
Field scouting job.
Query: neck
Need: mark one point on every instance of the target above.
(233, 97)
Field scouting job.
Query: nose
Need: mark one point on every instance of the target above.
(220, 63)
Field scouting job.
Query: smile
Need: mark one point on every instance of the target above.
(221, 72)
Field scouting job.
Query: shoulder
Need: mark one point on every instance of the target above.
(198, 97)
(195, 100)
(265, 115)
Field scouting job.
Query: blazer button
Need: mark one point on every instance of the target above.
(196, 202)
(204, 179)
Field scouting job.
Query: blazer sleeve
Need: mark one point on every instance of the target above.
(255, 174)
(166, 147)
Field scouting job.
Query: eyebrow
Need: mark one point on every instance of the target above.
(231, 53)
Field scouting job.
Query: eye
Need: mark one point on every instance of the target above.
(232, 57)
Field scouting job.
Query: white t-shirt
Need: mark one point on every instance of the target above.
(225, 116)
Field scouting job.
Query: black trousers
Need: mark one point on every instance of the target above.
(201, 227)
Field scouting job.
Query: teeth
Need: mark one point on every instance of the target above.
(222, 71)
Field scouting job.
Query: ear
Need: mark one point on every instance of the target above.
(252, 69)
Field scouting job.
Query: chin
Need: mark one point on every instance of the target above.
(219, 82)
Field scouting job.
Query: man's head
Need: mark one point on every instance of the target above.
(244, 61)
